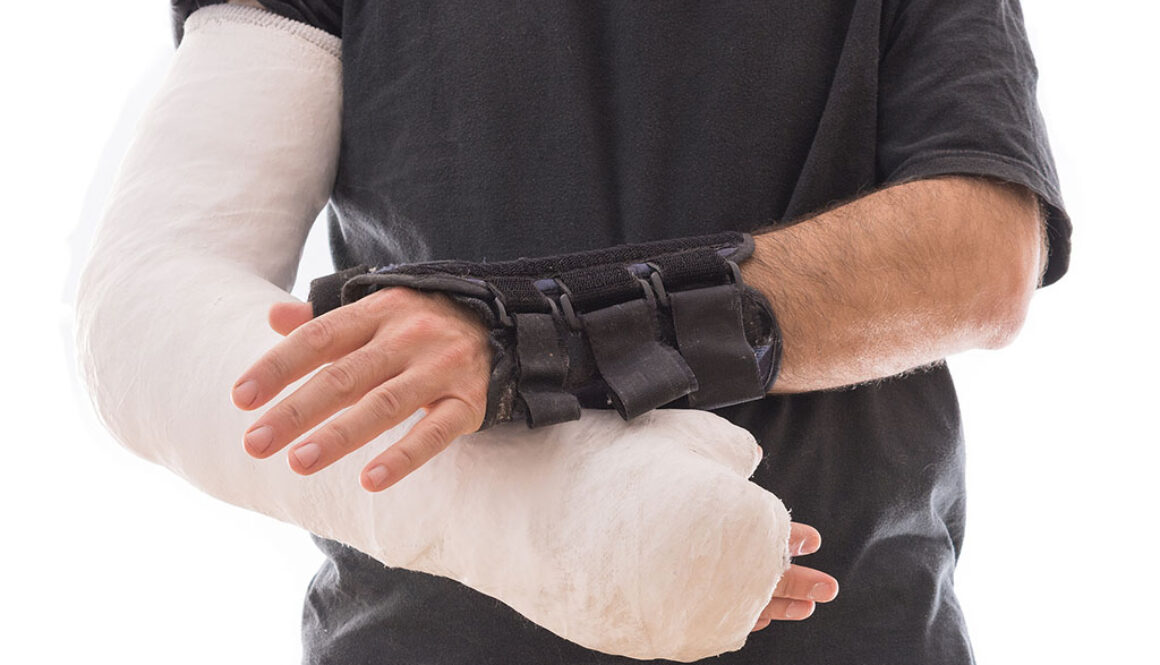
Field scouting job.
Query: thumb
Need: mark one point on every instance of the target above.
(286, 316)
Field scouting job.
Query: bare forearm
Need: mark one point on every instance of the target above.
(899, 279)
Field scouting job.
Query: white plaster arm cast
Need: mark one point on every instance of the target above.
(642, 539)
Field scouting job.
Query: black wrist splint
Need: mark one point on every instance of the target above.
(664, 323)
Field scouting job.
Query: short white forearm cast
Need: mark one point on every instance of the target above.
(642, 539)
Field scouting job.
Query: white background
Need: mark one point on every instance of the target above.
(108, 558)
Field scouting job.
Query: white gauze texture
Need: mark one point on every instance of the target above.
(643, 539)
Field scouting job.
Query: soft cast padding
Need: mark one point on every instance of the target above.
(637, 326)
(640, 538)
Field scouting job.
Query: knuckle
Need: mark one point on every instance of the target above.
(464, 352)
(421, 326)
(795, 583)
(409, 461)
(777, 610)
(458, 349)
(785, 586)
(438, 433)
(292, 415)
(340, 378)
(469, 350)
(478, 413)
(340, 434)
(381, 301)
(385, 402)
(475, 408)
(424, 446)
(318, 333)
(278, 367)
(449, 355)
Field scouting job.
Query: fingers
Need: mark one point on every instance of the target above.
(803, 539)
(385, 406)
(338, 385)
(801, 583)
(318, 341)
(800, 588)
(445, 420)
(787, 609)
(385, 365)
(796, 595)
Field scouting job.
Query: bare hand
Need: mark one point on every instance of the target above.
(800, 587)
(391, 353)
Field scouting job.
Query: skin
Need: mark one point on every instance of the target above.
(955, 262)
(438, 360)
(899, 279)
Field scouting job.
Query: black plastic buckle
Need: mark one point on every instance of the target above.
(736, 271)
(500, 309)
(658, 286)
(570, 317)
(649, 295)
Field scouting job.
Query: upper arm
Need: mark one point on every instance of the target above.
(243, 133)
(957, 96)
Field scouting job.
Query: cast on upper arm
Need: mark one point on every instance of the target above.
(957, 95)
(205, 225)
(228, 167)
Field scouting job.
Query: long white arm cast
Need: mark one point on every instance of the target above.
(643, 539)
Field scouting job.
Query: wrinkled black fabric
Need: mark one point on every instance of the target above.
(492, 130)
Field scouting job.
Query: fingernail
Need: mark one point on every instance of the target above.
(377, 475)
(822, 592)
(259, 440)
(244, 394)
(799, 609)
(307, 454)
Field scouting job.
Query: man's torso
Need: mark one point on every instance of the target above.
(489, 131)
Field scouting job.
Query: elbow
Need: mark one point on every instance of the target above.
(1009, 297)
(1008, 263)
(105, 359)
(1008, 313)
(89, 338)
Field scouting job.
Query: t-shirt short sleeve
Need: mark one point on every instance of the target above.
(957, 95)
(323, 14)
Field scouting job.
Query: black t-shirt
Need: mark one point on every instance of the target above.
(491, 130)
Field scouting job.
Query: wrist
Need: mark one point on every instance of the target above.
(634, 327)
